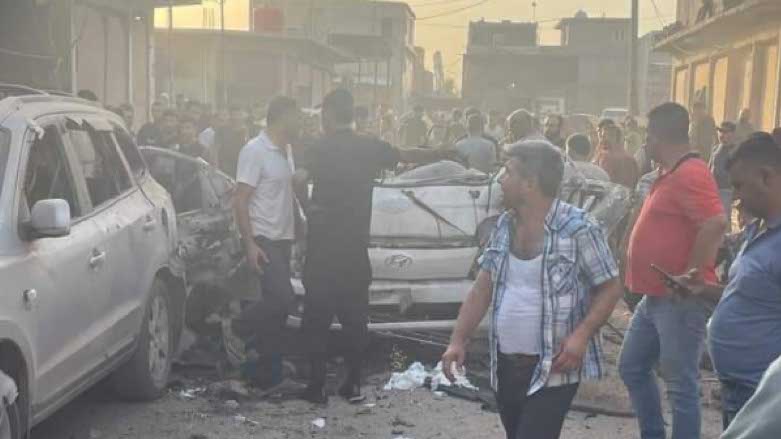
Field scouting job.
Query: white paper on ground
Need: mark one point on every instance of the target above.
(415, 377)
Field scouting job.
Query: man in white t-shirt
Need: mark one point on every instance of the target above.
(264, 209)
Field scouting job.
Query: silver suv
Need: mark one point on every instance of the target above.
(90, 286)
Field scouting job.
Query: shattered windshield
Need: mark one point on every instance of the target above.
(443, 172)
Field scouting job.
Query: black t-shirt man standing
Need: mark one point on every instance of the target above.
(342, 166)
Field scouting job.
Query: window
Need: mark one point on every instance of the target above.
(130, 151)
(103, 170)
(48, 175)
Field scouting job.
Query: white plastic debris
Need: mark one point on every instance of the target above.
(370, 406)
(415, 377)
(438, 378)
(319, 423)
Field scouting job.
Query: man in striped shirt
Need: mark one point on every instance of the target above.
(550, 282)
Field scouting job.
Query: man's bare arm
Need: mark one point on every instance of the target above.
(573, 349)
(473, 309)
(469, 317)
(706, 245)
(241, 211)
(603, 303)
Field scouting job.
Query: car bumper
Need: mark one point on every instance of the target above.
(405, 294)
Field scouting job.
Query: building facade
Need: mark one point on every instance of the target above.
(380, 35)
(99, 45)
(726, 55)
(654, 72)
(248, 62)
(506, 68)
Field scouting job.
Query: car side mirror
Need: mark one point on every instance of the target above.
(51, 218)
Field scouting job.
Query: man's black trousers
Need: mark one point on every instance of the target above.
(539, 416)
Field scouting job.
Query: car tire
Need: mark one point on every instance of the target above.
(145, 376)
(10, 427)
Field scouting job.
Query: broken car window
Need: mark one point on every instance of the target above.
(103, 169)
(48, 175)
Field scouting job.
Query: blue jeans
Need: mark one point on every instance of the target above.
(669, 332)
(734, 395)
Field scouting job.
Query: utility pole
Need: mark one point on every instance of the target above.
(223, 98)
(171, 97)
(633, 70)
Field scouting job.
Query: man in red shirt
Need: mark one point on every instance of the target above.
(680, 228)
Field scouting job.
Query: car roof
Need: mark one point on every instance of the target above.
(39, 104)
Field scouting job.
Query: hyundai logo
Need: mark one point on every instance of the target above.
(398, 261)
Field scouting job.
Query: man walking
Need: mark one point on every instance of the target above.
(414, 130)
(745, 331)
(680, 227)
(718, 164)
(550, 282)
(579, 151)
(342, 166)
(265, 217)
(475, 150)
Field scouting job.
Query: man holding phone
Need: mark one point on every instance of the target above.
(745, 331)
(680, 227)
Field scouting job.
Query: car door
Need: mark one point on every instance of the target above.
(126, 217)
(61, 275)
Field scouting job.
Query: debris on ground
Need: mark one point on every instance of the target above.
(230, 389)
(319, 423)
(416, 377)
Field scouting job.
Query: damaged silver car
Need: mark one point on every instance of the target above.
(92, 286)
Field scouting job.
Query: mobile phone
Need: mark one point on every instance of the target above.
(670, 280)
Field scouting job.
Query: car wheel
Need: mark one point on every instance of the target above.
(9, 422)
(145, 376)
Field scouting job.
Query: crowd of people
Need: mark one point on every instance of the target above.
(548, 278)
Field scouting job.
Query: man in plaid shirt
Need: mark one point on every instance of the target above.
(550, 282)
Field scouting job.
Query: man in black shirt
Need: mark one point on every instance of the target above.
(342, 166)
(150, 132)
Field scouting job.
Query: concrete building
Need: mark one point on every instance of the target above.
(379, 34)
(727, 55)
(601, 46)
(98, 45)
(506, 68)
(252, 61)
(654, 80)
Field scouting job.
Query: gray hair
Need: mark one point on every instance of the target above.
(542, 160)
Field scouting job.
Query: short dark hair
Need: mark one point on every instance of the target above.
(187, 119)
(669, 123)
(278, 108)
(759, 149)
(170, 113)
(475, 123)
(606, 123)
(339, 104)
(541, 159)
(579, 144)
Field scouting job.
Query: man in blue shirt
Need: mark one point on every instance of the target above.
(745, 331)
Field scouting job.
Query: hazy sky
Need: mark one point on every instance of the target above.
(448, 32)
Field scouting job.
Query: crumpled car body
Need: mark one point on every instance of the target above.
(429, 226)
(427, 231)
(209, 247)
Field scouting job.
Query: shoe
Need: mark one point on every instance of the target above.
(315, 395)
(352, 393)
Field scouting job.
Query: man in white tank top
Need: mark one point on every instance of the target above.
(550, 282)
